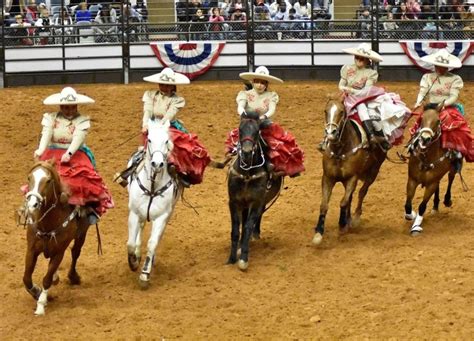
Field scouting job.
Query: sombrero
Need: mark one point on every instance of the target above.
(364, 50)
(167, 76)
(260, 73)
(68, 96)
(443, 58)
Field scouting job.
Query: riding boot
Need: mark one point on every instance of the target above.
(122, 177)
(178, 177)
(322, 145)
(456, 161)
(92, 216)
(375, 137)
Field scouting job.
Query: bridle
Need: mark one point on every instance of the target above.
(153, 192)
(338, 127)
(256, 146)
(41, 199)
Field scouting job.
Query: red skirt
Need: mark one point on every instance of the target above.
(456, 133)
(189, 155)
(84, 184)
(283, 151)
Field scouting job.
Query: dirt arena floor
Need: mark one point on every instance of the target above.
(375, 283)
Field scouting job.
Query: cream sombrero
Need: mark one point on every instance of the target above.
(68, 96)
(443, 58)
(364, 50)
(260, 73)
(167, 76)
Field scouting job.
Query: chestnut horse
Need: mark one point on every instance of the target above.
(250, 188)
(52, 224)
(427, 165)
(347, 160)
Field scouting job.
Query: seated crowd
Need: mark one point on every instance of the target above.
(28, 23)
(403, 19)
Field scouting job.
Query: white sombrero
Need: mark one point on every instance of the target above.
(443, 58)
(68, 96)
(364, 50)
(167, 76)
(260, 73)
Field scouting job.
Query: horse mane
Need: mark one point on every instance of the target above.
(431, 106)
(251, 115)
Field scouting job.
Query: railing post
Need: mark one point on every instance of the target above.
(125, 41)
(2, 52)
(374, 34)
(250, 37)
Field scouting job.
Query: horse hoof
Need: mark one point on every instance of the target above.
(256, 236)
(344, 229)
(133, 262)
(356, 221)
(144, 281)
(318, 238)
(448, 203)
(55, 279)
(243, 265)
(231, 260)
(433, 211)
(416, 231)
(39, 311)
(74, 278)
(410, 216)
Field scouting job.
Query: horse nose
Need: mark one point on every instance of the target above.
(153, 164)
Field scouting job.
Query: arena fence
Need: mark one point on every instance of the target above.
(310, 47)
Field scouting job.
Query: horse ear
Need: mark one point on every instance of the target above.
(63, 198)
(166, 123)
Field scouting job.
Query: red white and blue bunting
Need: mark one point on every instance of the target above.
(191, 59)
(417, 49)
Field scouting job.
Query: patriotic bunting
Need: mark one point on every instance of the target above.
(191, 59)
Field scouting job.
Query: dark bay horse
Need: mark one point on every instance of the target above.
(427, 165)
(52, 224)
(250, 188)
(347, 160)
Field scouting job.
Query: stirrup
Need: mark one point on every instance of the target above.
(120, 179)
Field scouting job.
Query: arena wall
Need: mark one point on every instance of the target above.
(112, 63)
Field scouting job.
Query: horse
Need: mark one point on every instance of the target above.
(250, 187)
(52, 224)
(347, 160)
(427, 165)
(153, 194)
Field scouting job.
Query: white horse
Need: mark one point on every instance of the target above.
(152, 197)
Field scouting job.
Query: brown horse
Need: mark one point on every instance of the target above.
(347, 160)
(52, 224)
(427, 165)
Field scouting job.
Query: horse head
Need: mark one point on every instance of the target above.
(159, 144)
(44, 187)
(249, 136)
(430, 126)
(335, 115)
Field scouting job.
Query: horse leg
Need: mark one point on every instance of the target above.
(235, 217)
(411, 189)
(327, 184)
(79, 241)
(30, 263)
(344, 217)
(254, 214)
(134, 240)
(416, 228)
(157, 229)
(53, 266)
(436, 200)
(369, 180)
(447, 197)
(256, 229)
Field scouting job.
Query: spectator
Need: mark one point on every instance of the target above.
(390, 27)
(141, 8)
(82, 13)
(107, 20)
(20, 30)
(403, 13)
(413, 7)
(275, 8)
(199, 25)
(216, 19)
(365, 23)
(63, 25)
(43, 25)
(303, 9)
(31, 12)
